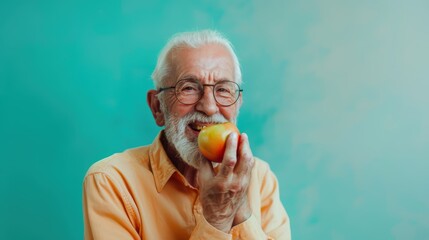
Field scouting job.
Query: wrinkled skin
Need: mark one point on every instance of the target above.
(222, 193)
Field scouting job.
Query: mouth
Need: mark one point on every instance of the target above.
(198, 126)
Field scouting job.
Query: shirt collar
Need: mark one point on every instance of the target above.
(162, 167)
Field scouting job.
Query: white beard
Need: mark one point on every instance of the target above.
(175, 134)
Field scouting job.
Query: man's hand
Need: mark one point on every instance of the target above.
(223, 195)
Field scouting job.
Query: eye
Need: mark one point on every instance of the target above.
(188, 88)
(223, 90)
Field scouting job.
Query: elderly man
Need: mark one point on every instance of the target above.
(168, 190)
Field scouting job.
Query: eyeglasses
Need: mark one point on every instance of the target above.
(190, 91)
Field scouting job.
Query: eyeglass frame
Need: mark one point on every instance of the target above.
(240, 90)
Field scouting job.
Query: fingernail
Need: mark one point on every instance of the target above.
(233, 136)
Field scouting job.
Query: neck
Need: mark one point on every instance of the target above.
(189, 172)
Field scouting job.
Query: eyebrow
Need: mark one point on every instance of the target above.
(193, 77)
(189, 77)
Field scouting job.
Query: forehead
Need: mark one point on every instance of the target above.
(209, 62)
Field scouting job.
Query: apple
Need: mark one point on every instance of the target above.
(212, 140)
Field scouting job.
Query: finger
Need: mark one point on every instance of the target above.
(230, 155)
(205, 171)
(245, 157)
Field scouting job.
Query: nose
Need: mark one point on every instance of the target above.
(207, 104)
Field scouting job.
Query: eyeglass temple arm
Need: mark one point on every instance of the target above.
(166, 88)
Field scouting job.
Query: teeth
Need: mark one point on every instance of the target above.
(199, 128)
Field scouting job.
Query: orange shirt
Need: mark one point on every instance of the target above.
(139, 194)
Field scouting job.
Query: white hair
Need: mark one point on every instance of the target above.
(193, 40)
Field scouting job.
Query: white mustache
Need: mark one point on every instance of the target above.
(199, 117)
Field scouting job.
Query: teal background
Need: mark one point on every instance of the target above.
(336, 100)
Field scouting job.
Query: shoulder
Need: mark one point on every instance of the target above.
(261, 167)
(124, 163)
(263, 173)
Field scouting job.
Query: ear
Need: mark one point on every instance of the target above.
(155, 107)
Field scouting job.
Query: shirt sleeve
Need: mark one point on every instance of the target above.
(107, 211)
(274, 222)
